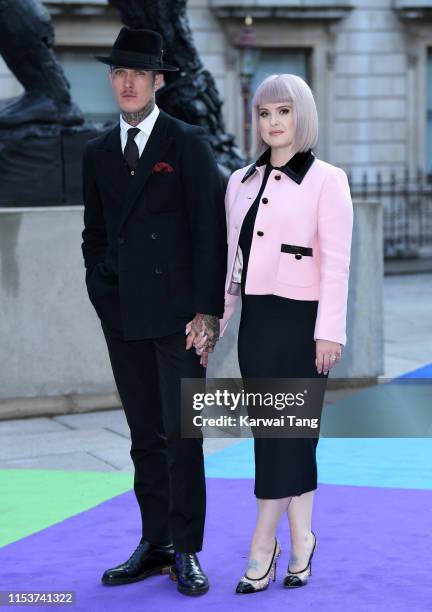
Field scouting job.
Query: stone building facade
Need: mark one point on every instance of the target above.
(368, 62)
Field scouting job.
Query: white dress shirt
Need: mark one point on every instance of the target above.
(143, 135)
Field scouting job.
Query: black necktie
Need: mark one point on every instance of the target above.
(131, 152)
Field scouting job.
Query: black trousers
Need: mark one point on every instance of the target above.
(169, 478)
(276, 341)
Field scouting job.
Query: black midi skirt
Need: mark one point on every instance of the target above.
(276, 341)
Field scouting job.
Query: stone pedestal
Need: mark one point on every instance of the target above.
(52, 352)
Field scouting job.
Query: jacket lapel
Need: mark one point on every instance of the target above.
(296, 168)
(111, 157)
(116, 168)
(156, 147)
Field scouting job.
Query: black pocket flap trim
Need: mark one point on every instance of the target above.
(294, 249)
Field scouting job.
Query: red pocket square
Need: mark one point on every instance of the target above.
(162, 168)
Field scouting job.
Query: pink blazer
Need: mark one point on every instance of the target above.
(301, 243)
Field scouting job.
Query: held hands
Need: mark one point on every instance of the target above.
(202, 333)
(328, 353)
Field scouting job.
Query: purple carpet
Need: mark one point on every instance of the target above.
(373, 553)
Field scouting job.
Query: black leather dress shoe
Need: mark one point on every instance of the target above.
(190, 578)
(147, 560)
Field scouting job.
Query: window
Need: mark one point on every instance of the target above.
(89, 81)
(280, 61)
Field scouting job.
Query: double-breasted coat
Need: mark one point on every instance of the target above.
(154, 242)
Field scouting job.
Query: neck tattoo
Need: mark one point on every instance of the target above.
(138, 116)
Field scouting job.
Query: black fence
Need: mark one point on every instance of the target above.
(407, 210)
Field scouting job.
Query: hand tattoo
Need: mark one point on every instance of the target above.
(207, 326)
(211, 330)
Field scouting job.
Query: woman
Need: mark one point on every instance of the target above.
(289, 238)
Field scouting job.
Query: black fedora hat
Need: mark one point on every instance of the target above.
(137, 48)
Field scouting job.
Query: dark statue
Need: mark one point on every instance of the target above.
(42, 132)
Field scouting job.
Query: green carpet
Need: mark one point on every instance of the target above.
(32, 500)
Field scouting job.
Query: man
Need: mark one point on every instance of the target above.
(154, 246)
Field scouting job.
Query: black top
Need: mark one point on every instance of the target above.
(247, 229)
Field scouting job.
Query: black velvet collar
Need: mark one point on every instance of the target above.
(295, 168)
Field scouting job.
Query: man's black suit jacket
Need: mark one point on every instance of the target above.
(154, 244)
